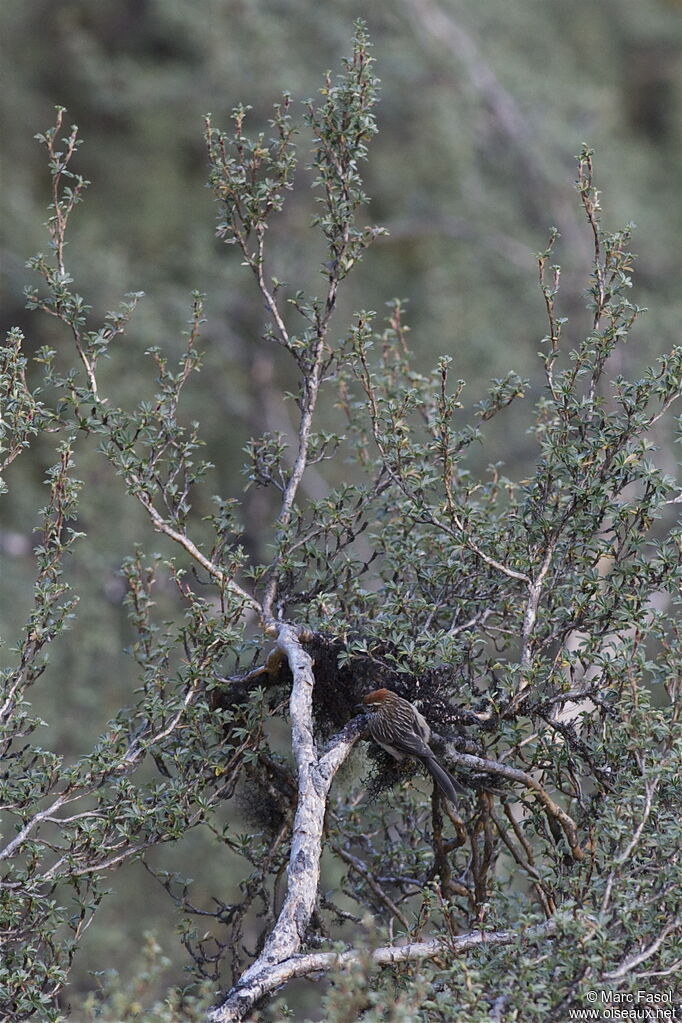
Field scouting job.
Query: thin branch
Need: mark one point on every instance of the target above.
(646, 813)
(479, 618)
(530, 616)
(360, 868)
(258, 266)
(542, 893)
(673, 968)
(311, 387)
(209, 566)
(646, 953)
(473, 546)
(514, 774)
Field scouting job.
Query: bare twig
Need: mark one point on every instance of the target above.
(541, 890)
(514, 774)
(360, 868)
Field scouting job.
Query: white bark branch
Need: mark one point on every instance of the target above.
(388, 955)
(33, 823)
(534, 594)
(315, 775)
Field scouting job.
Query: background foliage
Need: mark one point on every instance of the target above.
(472, 165)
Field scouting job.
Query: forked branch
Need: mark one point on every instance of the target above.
(315, 774)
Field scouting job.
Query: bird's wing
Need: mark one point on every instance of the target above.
(401, 738)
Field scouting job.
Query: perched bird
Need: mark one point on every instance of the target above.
(397, 726)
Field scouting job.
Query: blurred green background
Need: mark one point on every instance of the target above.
(483, 107)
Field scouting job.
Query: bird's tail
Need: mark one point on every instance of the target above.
(445, 782)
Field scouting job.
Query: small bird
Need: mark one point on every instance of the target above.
(397, 726)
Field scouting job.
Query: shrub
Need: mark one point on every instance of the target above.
(531, 620)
